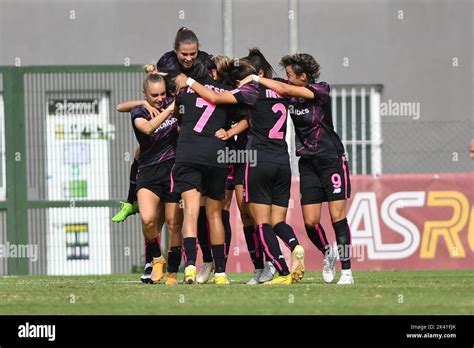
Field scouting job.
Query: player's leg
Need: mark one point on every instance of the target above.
(226, 220)
(261, 214)
(174, 220)
(312, 195)
(149, 202)
(254, 245)
(338, 189)
(337, 210)
(216, 227)
(186, 178)
(215, 190)
(280, 200)
(207, 267)
(191, 200)
(130, 206)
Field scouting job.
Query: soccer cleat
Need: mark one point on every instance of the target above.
(205, 272)
(171, 279)
(280, 280)
(346, 277)
(190, 274)
(220, 279)
(126, 210)
(256, 276)
(268, 272)
(158, 267)
(297, 266)
(329, 265)
(146, 276)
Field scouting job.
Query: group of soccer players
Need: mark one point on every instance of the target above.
(195, 106)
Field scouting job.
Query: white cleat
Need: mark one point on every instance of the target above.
(256, 276)
(329, 265)
(205, 272)
(267, 273)
(346, 277)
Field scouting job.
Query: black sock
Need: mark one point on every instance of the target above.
(286, 234)
(152, 249)
(203, 235)
(218, 253)
(254, 247)
(343, 238)
(132, 189)
(174, 259)
(227, 231)
(272, 248)
(317, 235)
(190, 251)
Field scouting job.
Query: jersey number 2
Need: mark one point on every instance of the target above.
(201, 123)
(275, 132)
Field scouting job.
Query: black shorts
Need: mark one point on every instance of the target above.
(268, 183)
(210, 181)
(235, 175)
(324, 180)
(156, 178)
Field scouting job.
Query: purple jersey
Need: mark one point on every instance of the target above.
(197, 142)
(169, 63)
(314, 129)
(268, 115)
(159, 146)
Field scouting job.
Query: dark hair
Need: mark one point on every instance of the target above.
(153, 78)
(185, 35)
(201, 69)
(232, 70)
(259, 62)
(302, 63)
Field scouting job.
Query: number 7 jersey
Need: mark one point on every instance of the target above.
(268, 116)
(200, 120)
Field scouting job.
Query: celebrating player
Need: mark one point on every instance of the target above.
(324, 175)
(267, 185)
(157, 138)
(197, 170)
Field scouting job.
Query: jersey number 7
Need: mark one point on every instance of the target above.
(201, 123)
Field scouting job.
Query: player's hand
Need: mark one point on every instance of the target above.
(170, 107)
(246, 80)
(153, 111)
(222, 134)
(180, 80)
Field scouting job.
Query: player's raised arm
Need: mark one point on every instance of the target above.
(148, 127)
(129, 105)
(284, 89)
(225, 97)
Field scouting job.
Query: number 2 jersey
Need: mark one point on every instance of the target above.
(200, 120)
(159, 146)
(267, 117)
(314, 129)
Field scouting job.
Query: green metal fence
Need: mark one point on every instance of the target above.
(26, 212)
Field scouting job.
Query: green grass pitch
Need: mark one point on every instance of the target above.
(375, 292)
